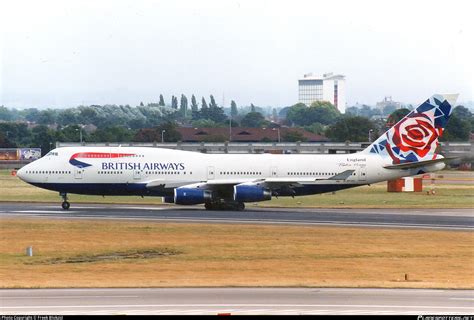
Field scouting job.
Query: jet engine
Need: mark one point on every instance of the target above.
(251, 193)
(191, 196)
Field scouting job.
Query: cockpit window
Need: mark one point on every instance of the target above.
(51, 153)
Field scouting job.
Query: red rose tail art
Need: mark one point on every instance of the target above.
(415, 137)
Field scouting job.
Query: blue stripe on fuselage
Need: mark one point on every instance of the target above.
(106, 189)
(79, 164)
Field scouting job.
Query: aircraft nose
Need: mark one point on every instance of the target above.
(21, 173)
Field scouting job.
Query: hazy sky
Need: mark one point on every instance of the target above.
(66, 53)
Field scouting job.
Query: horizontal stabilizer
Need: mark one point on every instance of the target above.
(418, 164)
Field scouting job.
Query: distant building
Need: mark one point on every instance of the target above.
(387, 101)
(328, 87)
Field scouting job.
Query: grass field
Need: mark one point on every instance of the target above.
(374, 196)
(229, 255)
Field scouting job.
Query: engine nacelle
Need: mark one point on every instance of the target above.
(191, 196)
(251, 193)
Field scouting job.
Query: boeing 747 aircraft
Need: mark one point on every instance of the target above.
(227, 181)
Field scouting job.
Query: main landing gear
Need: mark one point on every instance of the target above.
(234, 206)
(65, 203)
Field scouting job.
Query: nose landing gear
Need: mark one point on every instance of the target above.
(65, 203)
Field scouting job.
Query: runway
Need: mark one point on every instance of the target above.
(452, 219)
(236, 301)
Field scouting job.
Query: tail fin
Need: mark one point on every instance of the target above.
(415, 137)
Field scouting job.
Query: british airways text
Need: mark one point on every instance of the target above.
(142, 166)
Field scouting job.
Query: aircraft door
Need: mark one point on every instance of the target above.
(210, 173)
(273, 172)
(362, 174)
(137, 174)
(78, 173)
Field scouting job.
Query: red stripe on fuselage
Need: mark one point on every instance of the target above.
(100, 155)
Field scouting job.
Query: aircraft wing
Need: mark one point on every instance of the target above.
(343, 175)
(271, 183)
(167, 184)
(299, 181)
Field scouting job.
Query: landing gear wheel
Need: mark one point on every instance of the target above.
(65, 205)
(240, 206)
(208, 206)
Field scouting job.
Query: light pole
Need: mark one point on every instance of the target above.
(278, 130)
(370, 135)
(163, 136)
(80, 133)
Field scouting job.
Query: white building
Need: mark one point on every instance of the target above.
(387, 101)
(328, 87)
